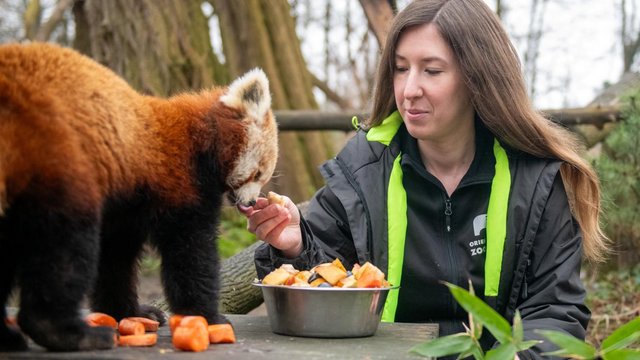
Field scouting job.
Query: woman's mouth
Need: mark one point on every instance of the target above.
(414, 114)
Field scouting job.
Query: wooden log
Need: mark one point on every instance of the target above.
(237, 295)
(308, 120)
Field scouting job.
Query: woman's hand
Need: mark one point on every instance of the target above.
(278, 225)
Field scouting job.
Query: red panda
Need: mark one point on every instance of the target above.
(90, 169)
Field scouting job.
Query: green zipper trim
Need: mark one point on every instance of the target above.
(496, 228)
(384, 132)
(397, 216)
(397, 232)
(497, 221)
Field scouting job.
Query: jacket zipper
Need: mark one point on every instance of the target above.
(452, 276)
(447, 213)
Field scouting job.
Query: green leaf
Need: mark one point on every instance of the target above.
(518, 331)
(446, 345)
(475, 351)
(527, 344)
(474, 323)
(623, 336)
(493, 321)
(476, 326)
(569, 346)
(502, 352)
(622, 354)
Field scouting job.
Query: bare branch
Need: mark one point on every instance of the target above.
(379, 15)
(331, 95)
(45, 31)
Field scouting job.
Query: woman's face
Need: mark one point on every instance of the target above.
(428, 86)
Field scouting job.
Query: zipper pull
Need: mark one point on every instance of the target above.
(447, 213)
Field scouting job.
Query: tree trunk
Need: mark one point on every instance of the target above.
(159, 46)
(379, 14)
(262, 33)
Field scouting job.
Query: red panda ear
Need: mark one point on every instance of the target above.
(250, 93)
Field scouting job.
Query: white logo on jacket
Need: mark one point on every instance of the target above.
(479, 245)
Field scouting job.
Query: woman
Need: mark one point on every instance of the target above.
(454, 177)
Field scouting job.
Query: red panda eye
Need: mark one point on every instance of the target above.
(258, 175)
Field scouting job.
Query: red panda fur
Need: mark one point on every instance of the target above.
(90, 170)
(106, 148)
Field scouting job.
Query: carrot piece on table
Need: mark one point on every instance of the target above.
(101, 319)
(130, 327)
(149, 324)
(192, 337)
(174, 321)
(221, 334)
(192, 320)
(138, 340)
(186, 320)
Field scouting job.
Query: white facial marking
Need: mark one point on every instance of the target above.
(250, 94)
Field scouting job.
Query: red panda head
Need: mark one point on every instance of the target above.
(255, 163)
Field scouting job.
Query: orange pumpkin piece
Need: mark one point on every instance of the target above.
(101, 319)
(138, 340)
(130, 327)
(370, 277)
(149, 324)
(191, 336)
(275, 198)
(221, 334)
(331, 272)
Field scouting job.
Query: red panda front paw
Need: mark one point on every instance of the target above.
(153, 313)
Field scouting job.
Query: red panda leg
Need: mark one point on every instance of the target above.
(190, 265)
(10, 337)
(124, 231)
(56, 270)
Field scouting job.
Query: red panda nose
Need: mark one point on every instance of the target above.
(252, 202)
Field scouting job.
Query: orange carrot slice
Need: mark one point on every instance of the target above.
(192, 320)
(174, 321)
(101, 319)
(193, 337)
(130, 327)
(177, 320)
(221, 334)
(138, 340)
(149, 324)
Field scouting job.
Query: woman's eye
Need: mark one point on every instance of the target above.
(401, 69)
(433, 72)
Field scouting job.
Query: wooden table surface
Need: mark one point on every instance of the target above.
(255, 340)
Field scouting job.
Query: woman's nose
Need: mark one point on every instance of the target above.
(413, 86)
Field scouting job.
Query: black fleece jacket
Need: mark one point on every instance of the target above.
(541, 261)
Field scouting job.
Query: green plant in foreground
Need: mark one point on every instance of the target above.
(614, 347)
(511, 339)
(468, 343)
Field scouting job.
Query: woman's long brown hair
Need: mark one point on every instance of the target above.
(493, 76)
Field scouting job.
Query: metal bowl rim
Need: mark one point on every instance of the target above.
(327, 289)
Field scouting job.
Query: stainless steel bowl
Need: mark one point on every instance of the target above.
(324, 312)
